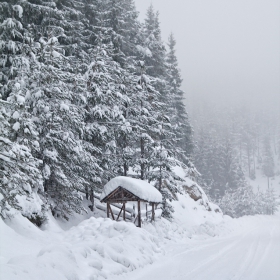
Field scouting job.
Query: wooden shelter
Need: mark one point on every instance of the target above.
(125, 189)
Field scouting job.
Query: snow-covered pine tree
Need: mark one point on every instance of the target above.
(121, 16)
(57, 103)
(269, 202)
(179, 117)
(161, 164)
(11, 38)
(239, 202)
(157, 153)
(155, 49)
(104, 105)
(268, 161)
(144, 119)
(20, 177)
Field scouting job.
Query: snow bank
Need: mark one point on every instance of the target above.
(138, 187)
(191, 219)
(95, 249)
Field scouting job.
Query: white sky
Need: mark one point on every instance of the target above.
(228, 50)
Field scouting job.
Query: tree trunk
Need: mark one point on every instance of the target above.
(268, 182)
(142, 159)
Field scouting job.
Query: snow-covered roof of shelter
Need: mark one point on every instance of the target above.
(139, 188)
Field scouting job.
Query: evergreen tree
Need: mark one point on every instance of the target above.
(121, 16)
(20, 177)
(57, 101)
(270, 202)
(239, 202)
(155, 52)
(268, 161)
(179, 114)
(104, 106)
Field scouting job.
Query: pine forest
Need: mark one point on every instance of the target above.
(88, 93)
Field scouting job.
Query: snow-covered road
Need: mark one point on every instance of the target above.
(250, 252)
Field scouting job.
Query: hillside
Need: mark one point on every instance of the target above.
(92, 247)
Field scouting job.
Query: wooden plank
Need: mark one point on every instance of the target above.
(139, 214)
(136, 218)
(110, 194)
(119, 214)
(119, 190)
(153, 211)
(114, 191)
(125, 200)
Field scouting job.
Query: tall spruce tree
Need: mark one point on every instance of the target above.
(179, 115)
(20, 177)
(268, 161)
(155, 54)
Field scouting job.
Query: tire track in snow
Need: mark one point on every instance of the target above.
(212, 262)
(246, 254)
(248, 262)
(256, 263)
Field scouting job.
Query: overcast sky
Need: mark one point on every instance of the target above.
(228, 50)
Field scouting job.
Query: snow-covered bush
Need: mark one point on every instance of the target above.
(244, 201)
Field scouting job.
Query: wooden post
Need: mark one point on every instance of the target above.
(139, 214)
(124, 211)
(111, 212)
(107, 210)
(142, 165)
(153, 211)
(91, 197)
(147, 211)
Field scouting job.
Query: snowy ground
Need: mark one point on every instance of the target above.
(251, 251)
(261, 182)
(198, 244)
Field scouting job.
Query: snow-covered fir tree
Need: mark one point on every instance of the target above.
(268, 160)
(20, 177)
(179, 115)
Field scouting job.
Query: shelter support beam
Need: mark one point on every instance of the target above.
(153, 211)
(139, 214)
(107, 210)
(124, 211)
(111, 212)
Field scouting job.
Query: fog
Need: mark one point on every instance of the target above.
(228, 51)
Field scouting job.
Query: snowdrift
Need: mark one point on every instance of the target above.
(94, 247)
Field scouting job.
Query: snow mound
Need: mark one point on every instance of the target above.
(94, 249)
(140, 188)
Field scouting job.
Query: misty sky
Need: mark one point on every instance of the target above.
(228, 50)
